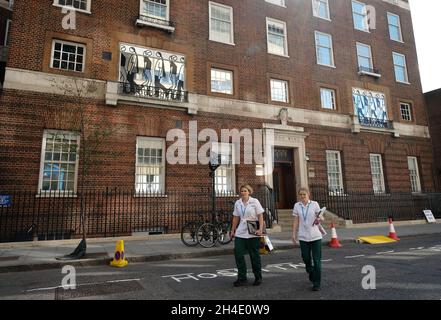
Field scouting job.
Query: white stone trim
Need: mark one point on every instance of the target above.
(26, 80)
(33, 81)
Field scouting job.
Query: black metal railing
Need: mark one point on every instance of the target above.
(374, 72)
(150, 92)
(363, 207)
(111, 212)
(372, 122)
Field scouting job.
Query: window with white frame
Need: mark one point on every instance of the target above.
(320, 9)
(83, 5)
(364, 56)
(414, 174)
(276, 37)
(221, 23)
(324, 50)
(279, 90)
(225, 173)
(59, 161)
(150, 165)
(377, 173)
(327, 97)
(406, 113)
(221, 81)
(68, 56)
(393, 21)
(335, 175)
(157, 9)
(277, 2)
(359, 14)
(400, 67)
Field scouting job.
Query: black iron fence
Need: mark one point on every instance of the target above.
(151, 92)
(111, 212)
(364, 207)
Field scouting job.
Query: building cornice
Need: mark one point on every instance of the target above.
(400, 3)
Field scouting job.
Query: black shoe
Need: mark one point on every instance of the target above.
(257, 282)
(311, 277)
(240, 283)
(315, 288)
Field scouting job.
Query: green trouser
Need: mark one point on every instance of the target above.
(315, 271)
(251, 246)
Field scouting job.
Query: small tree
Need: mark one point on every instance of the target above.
(92, 131)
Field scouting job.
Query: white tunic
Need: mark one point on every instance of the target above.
(307, 215)
(247, 212)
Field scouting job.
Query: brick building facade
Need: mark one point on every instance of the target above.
(433, 102)
(340, 92)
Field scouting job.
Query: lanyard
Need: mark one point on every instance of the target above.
(244, 208)
(305, 215)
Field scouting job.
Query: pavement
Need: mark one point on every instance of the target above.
(39, 255)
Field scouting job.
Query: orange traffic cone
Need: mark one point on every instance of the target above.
(392, 233)
(334, 241)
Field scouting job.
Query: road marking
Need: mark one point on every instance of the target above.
(358, 256)
(391, 251)
(81, 284)
(327, 260)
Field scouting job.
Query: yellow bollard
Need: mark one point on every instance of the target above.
(119, 259)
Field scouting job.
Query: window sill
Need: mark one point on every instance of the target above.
(402, 82)
(223, 42)
(327, 65)
(140, 22)
(327, 19)
(367, 73)
(363, 30)
(278, 54)
(71, 8)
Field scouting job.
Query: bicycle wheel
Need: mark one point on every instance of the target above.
(188, 234)
(224, 232)
(207, 235)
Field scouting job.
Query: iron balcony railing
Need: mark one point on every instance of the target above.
(369, 71)
(150, 92)
(157, 21)
(377, 123)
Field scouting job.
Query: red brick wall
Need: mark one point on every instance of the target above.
(111, 22)
(25, 116)
(433, 101)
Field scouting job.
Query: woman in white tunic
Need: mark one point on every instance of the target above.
(306, 232)
(246, 209)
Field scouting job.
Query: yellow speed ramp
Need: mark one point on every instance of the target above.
(376, 239)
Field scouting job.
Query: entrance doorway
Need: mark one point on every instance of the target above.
(284, 178)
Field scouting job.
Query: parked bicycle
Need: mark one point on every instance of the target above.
(190, 229)
(217, 231)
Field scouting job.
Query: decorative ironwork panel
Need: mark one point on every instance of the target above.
(150, 73)
(370, 108)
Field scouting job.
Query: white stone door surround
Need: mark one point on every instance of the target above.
(276, 135)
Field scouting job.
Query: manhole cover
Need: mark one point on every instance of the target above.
(99, 289)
